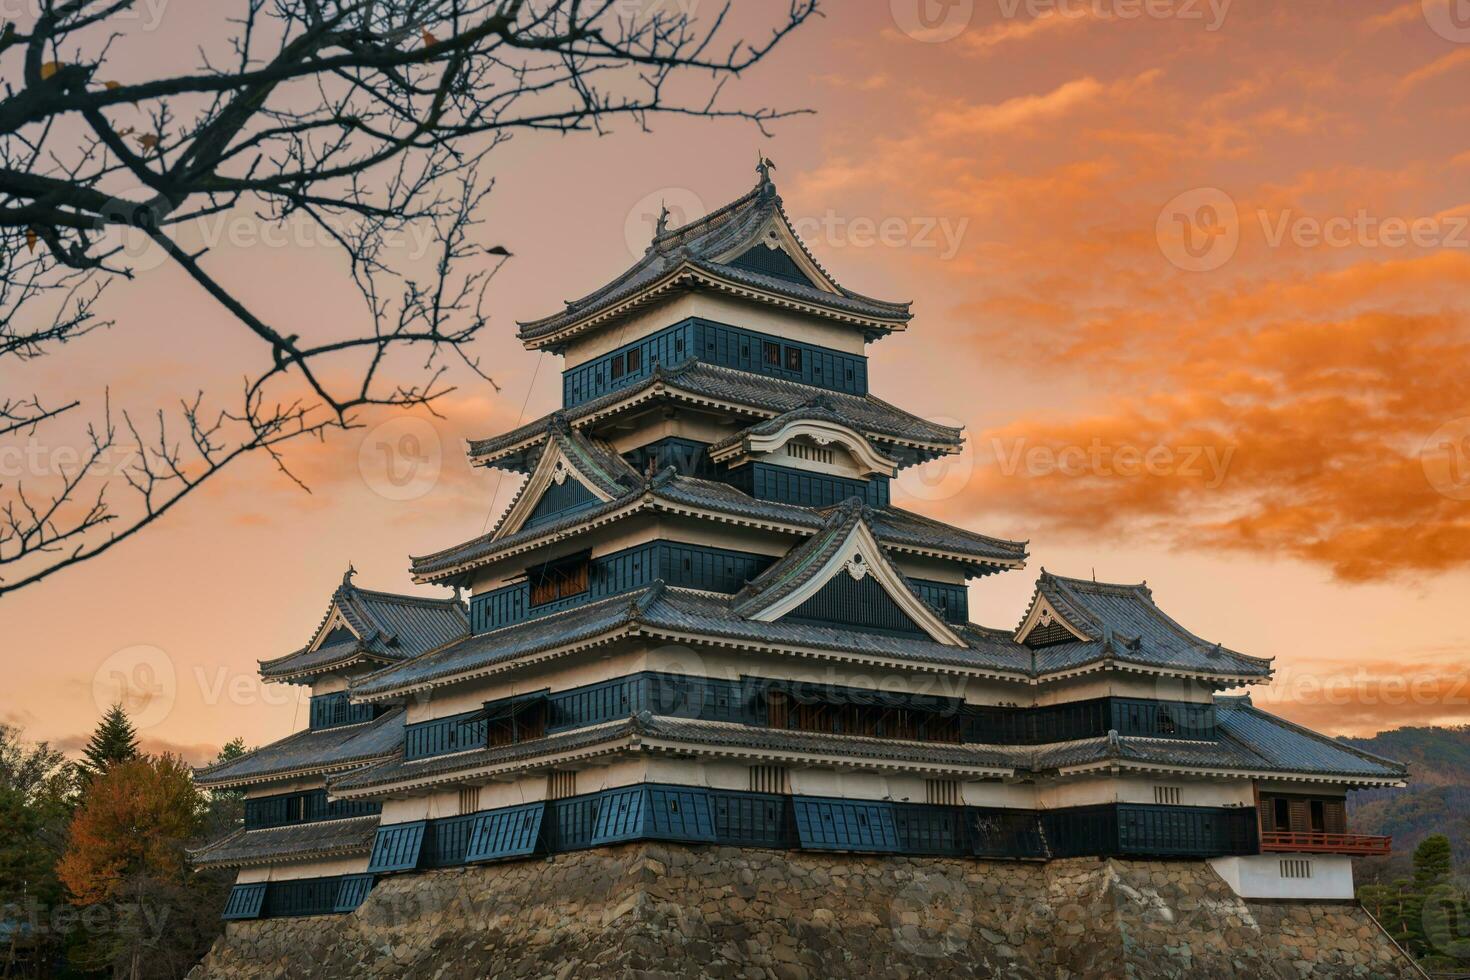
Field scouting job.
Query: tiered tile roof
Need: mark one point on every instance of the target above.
(706, 252)
(674, 613)
(294, 842)
(754, 396)
(670, 493)
(310, 752)
(1124, 624)
(385, 627)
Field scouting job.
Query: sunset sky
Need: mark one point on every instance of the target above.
(1196, 284)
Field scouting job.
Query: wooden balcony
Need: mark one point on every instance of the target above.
(1316, 842)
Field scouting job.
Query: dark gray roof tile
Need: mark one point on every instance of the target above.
(698, 245)
(761, 396)
(326, 838)
(310, 751)
(386, 627)
(892, 526)
(1124, 624)
(1280, 744)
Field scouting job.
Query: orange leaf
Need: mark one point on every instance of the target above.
(50, 68)
(429, 39)
(148, 140)
(31, 239)
(111, 86)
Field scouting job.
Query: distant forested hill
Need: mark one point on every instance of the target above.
(1437, 800)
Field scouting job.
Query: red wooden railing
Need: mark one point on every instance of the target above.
(1314, 842)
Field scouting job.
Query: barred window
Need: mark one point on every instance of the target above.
(943, 792)
(1168, 795)
(561, 785)
(770, 779)
(469, 799)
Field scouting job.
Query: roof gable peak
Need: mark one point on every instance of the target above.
(568, 455)
(846, 544)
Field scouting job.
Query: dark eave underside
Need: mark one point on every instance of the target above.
(1296, 753)
(761, 397)
(309, 751)
(297, 842)
(697, 616)
(669, 493)
(695, 249)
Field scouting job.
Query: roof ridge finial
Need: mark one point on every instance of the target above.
(662, 227)
(347, 576)
(764, 166)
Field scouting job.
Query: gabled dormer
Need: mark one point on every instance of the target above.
(572, 474)
(363, 630)
(842, 577)
(814, 437)
(1077, 622)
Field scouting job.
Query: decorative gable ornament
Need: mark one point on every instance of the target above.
(860, 556)
(554, 468)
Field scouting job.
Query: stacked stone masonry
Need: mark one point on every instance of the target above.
(664, 911)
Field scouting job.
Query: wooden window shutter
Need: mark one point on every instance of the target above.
(1336, 813)
(778, 710)
(1265, 809)
(1301, 818)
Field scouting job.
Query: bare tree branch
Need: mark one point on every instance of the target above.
(368, 122)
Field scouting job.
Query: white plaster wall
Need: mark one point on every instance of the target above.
(285, 786)
(992, 792)
(1122, 685)
(722, 309)
(1313, 789)
(1136, 789)
(827, 782)
(333, 683)
(573, 672)
(685, 422)
(1259, 876)
(303, 869)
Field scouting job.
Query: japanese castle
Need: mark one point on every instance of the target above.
(701, 620)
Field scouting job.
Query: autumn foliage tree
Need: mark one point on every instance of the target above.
(126, 848)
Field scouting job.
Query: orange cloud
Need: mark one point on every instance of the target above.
(1008, 31)
(1276, 406)
(1439, 66)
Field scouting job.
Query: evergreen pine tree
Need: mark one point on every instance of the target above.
(1433, 862)
(114, 741)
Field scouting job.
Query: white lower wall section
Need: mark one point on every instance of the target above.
(1294, 876)
(303, 869)
(284, 786)
(1132, 789)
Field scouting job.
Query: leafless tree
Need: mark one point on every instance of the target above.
(364, 119)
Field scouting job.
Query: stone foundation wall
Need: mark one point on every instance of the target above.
(655, 911)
